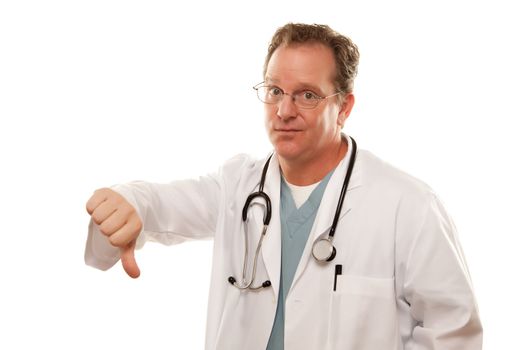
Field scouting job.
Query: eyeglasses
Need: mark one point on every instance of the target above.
(272, 94)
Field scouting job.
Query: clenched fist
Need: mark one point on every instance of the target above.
(119, 221)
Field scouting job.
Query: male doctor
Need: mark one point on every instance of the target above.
(319, 246)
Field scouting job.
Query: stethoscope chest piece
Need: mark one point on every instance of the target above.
(323, 250)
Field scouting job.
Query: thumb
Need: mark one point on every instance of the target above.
(127, 258)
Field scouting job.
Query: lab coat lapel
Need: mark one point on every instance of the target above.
(325, 215)
(271, 247)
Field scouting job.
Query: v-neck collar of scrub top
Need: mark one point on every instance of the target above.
(294, 218)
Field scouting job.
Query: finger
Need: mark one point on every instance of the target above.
(127, 233)
(127, 258)
(103, 211)
(115, 221)
(96, 199)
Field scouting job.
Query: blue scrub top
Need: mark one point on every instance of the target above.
(296, 224)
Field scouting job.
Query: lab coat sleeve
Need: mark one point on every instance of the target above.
(171, 213)
(437, 286)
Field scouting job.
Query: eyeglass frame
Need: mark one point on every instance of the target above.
(317, 98)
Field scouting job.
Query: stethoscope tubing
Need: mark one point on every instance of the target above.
(343, 189)
(330, 252)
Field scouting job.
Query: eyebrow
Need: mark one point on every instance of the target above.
(302, 86)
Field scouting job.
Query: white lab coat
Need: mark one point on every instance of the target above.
(405, 284)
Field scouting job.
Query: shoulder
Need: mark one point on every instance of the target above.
(241, 171)
(393, 190)
(410, 200)
(382, 176)
(241, 164)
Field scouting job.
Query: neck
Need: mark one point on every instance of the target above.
(304, 172)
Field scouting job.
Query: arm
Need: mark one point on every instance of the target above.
(437, 287)
(175, 212)
(166, 213)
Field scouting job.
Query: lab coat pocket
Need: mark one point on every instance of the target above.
(363, 314)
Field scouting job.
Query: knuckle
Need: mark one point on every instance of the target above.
(99, 216)
(114, 241)
(125, 210)
(89, 206)
(135, 224)
(106, 228)
(101, 190)
(96, 219)
(95, 199)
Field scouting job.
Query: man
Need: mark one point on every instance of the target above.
(304, 258)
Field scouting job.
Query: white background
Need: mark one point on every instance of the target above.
(94, 93)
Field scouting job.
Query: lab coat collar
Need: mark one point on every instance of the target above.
(328, 205)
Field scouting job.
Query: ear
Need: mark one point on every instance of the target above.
(345, 109)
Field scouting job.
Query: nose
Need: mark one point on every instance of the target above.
(287, 108)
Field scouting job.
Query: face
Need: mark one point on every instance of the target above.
(299, 134)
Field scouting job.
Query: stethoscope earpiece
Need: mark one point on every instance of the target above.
(233, 282)
(266, 283)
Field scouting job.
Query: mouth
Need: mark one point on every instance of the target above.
(287, 130)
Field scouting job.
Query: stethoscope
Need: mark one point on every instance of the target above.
(323, 249)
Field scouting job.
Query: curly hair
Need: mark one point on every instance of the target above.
(345, 51)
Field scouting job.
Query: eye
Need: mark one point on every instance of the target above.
(274, 91)
(308, 95)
